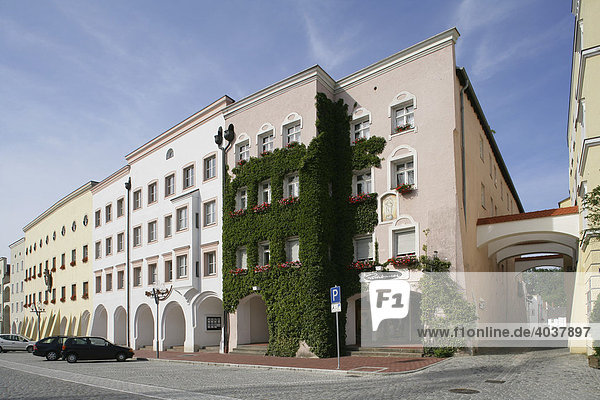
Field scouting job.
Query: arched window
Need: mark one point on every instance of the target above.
(170, 153)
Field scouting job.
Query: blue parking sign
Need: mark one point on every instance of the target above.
(336, 294)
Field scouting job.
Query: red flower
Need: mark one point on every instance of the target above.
(238, 271)
(288, 200)
(261, 207)
(361, 198)
(237, 213)
(405, 188)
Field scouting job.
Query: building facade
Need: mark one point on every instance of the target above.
(17, 259)
(6, 296)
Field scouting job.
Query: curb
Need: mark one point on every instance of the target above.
(283, 368)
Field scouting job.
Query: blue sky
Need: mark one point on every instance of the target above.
(83, 83)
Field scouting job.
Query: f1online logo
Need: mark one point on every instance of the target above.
(389, 299)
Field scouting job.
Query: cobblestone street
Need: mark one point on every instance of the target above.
(541, 374)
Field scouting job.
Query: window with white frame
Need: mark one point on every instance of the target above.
(210, 263)
(152, 193)
(292, 186)
(168, 226)
(210, 213)
(169, 185)
(120, 242)
(152, 274)
(97, 218)
(120, 207)
(363, 183)
(188, 177)
(242, 198)
(168, 270)
(108, 213)
(363, 248)
(241, 258)
(404, 172)
(182, 266)
(97, 250)
(108, 246)
(151, 231)
(243, 151)
(404, 242)
(264, 195)
(108, 282)
(264, 253)
(292, 134)
(137, 236)
(404, 117)
(182, 219)
(361, 129)
(137, 276)
(137, 199)
(265, 141)
(292, 249)
(98, 284)
(210, 167)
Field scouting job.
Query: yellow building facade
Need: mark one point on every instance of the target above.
(584, 151)
(58, 267)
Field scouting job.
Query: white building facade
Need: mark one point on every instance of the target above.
(17, 275)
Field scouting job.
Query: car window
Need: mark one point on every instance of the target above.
(98, 342)
(78, 341)
(48, 340)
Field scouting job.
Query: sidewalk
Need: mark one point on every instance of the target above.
(355, 364)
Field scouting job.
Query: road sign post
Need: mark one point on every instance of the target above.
(336, 306)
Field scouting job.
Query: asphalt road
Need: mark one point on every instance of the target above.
(541, 374)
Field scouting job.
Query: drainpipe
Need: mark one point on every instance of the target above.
(128, 187)
(462, 146)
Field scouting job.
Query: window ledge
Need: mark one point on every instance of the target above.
(395, 134)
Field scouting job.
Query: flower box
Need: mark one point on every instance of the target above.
(237, 213)
(53, 269)
(359, 140)
(73, 298)
(241, 162)
(84, 259)
(362, 265)
(53, 301)
(360, 198)
(238, 271)
(402, 128)
(292, 145)
(72, 263)
(261, 208)
(26, 305)
(62, 299)
(45, 301)
(85, 296)
(62, 266)
(265, 153)
(261, 268)
(40, 274)
(405, 188)
(290, 264)
(409, 261)
(33, 277)
(288, 201)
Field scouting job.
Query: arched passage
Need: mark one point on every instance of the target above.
(207, 312)
(13, 329)
(100, 322)
(173, 326)
(64, 322)
(120, 326)
(144, 326)
(252, 324)
(85, 322)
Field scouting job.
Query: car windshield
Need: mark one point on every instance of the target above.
(48, 340)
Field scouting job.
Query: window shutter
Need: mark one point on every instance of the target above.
(364, 249)
(405, 242)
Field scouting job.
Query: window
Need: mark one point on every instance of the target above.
(481, 148)
(213, 323)
(210, 213)
(404, 171)
(404, 242)
(292, 186)
(292, 134)
(361, 129)
(168, 229)
(97, 250)
(63, 293)
(85, 255)
(363, 183)
(152, 193)
(108, 246)
(120, 209)
(170, 185)
(404, 117)
(242, 198)
(501, 191)
(98, 283)
(63, 258)
(182, 266)
(363, 248)
(137, 276)
(73, 290)
(85, 292)
(137, 199)
(120, 242)
(188, 177)
(97, 218)
(168, 270)
(108, 213)
(152, 274)
(264, 253)
(182, 219)
(243, 151)
(210, 167)
(210, 263)
(266, 142)
(241, 258)
(492, 205)
(292, 249)
(495, 176)
(264, 192)
(73, 258)
(120, 279)
(482, 195)
(137, 236)
(169, 154)
(490, 158)
(151, 231)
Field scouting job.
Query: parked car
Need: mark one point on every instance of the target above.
(15, 342)
(93, 348)
(49, 347)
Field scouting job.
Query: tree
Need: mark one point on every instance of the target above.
(591, 202)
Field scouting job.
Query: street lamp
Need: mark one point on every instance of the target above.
(38, 309)
(159, 295)
(229, 135)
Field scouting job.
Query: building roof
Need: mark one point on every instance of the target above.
(530, 215)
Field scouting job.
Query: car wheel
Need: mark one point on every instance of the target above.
(72, 358)
(2, 351)
(30, 349)
(51, 356)
(121, 357)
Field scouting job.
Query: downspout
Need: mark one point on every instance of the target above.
(128, 187)
(462, 146)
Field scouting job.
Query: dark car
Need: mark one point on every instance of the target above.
(93, 348)
(49, 347)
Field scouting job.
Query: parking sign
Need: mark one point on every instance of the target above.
(336, 294)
